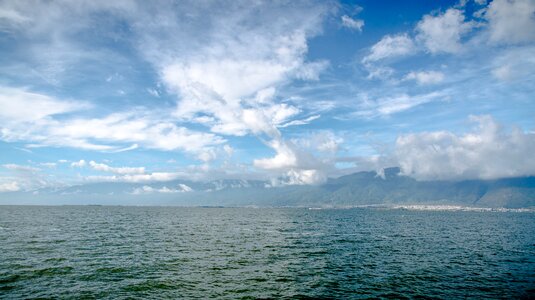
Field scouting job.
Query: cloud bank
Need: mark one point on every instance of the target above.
(488, 152)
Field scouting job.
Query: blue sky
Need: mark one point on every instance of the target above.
(293, 92)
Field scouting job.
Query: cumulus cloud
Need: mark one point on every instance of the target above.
(443, 32)
(501, 22)
(230, 108)
(222, 83)
(78, 164)
(511, 21)
(425, 77)
(351, 23)
(285, 157)
(489, 151)
(301, 161)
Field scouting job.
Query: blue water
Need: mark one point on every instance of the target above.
(172, 252)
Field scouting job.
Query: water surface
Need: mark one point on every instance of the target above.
(174, 252)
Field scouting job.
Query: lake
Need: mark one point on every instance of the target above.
(176, 252)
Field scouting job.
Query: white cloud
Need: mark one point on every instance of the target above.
(79, 164)
(185, 188)
(231, 79)
(16, 167)
(149, 129)
(53, 54)
(443, 32)
(300, 122)
(19, 105)
(298, 164)
(26, 178)
(325, 141)
(220, 83)
(9, 187)
(285, 157)
(120, 170)
(222, 93)
(488, 152)
(232, 53)
(300, 177)
(514, 63)
(391, 46)
(312, 70)
(228, 150)
(425, 77)
(376, 162)
(379, 72)
(131, 127)
(355, 24)
(131, 147)
(511, 21)
(10, 16)
(182, 188)
(136, 178)
(207, 155)
(153, 92)
(391, 105)
(504, 72)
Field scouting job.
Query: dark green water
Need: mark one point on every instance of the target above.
(172, 252)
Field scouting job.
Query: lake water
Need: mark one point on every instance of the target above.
(174, 252)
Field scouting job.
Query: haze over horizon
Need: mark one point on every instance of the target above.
(288, 92)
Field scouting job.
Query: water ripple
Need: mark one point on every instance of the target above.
(162, 252)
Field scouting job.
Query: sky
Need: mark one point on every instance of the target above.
(289, 91)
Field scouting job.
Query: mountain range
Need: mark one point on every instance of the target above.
(362, 188)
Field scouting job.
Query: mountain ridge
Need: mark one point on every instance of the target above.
(361, 188)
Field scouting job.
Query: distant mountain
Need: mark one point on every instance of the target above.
(363, 188)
